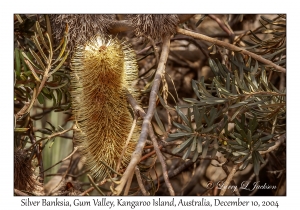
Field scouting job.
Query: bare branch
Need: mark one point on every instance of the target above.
(137, 154)
(230, 47)
(162, 161)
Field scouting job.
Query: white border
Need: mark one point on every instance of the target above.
(117, 6)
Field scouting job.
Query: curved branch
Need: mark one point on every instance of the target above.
(230, 47)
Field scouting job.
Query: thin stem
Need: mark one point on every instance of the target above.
(140, 181)
(137, 154)
(162, 161)
(228, 180)
(230, 47)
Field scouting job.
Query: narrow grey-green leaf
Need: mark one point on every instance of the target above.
(182, 146)
(266, 138)
(183, 117)
(186, 154)
(182, 127)
(205, 149)
(194, 144)
(199, 144)
(160, 124)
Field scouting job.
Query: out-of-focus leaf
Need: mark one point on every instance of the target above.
(186, 154)
(41, 99)
(256, 164)
(17, 62)
(40, 33)
(174, 136)
(199, 144)
(194, 144)
(200, 20)
(205, 149)
(160, 124)
(266, 138)
(21, 129)
(182, 127)
(183, 117)
(183, 146)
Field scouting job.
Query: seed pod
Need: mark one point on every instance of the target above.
(81, 27)
(155, 26)
(102, 70)
(24, 178)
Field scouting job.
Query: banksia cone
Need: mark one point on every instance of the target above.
(102, 70)
(155, 26)
(81, 27)
(24, 178)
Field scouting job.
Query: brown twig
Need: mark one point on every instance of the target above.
(51, 136)
(66, 158)
(230, 47)
(120, 26)
(140, 181)
(18, 192)
(38, 155)
(127, 142)
(223, 26)
(228, 180)
(277, 144)
(236, 192)
(135, 158)
(184, 18)
(162, 161)
(149, 154)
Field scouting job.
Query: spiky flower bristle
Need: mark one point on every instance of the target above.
(154, 26)
(102, 70)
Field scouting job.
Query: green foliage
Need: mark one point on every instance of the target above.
(239, 94)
